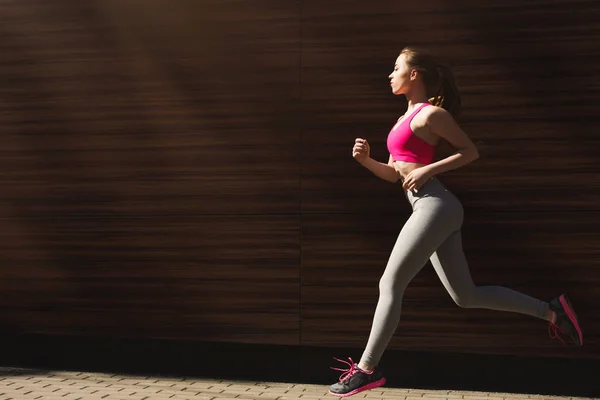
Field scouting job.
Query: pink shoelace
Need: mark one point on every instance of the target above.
(553, 331)
(347, 373)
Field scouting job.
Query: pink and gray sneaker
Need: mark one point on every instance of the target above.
(566, 326)
(354, 380)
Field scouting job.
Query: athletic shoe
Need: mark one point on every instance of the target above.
(566, 324)
(355, 380)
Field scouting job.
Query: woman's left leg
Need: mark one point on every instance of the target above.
(451, 265)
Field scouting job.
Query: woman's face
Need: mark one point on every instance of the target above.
(400, 79)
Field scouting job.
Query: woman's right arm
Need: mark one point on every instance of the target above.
(362, 153)
(381, 170)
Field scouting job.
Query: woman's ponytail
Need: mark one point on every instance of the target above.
(448, 96)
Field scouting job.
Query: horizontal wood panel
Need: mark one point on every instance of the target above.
(223, 278)
(191, 309)
(209, 247)
(346, 250)
(134, 108)
(116, 183)
(344, 257)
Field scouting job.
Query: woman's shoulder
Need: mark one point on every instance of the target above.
(432, 111)
(435, 116)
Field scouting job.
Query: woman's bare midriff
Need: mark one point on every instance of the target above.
(404, 168)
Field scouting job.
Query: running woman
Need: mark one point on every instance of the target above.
(433, 231)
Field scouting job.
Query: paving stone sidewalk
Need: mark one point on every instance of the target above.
(22, 384)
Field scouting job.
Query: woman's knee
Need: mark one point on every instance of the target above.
(391, 287)
(465, 300)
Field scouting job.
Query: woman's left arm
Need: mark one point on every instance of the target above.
(441, 123)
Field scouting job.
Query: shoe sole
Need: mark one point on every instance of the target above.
(371, 385)
(566, 305)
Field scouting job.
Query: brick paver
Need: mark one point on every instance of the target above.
(25, 384)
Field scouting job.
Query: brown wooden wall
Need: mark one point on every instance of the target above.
(182, 169)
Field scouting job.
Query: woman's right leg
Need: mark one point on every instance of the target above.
(422, 233)
(436, 214)
(407, 258)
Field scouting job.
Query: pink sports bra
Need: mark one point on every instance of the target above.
(404, 145)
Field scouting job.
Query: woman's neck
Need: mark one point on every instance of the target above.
(415, 97)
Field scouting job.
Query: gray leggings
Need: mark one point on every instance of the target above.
(433, 233)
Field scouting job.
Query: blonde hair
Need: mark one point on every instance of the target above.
(437, 101)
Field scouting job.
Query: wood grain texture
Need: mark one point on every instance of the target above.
(146, 108)
(150, 181)
(182, 169)
(219, 278)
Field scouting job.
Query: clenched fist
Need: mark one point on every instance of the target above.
(361, 150)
